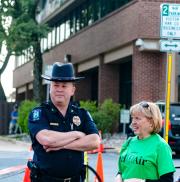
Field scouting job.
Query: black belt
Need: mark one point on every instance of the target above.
(45, 177)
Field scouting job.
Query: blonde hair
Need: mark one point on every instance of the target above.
(151, 111)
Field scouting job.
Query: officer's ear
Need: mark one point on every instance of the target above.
(74, 88)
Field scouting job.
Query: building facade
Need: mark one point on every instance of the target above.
(114, 44)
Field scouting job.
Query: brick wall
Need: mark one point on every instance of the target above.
(83, 89)
(108, 82)
(148, 76)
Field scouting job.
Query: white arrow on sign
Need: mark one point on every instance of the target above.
(168, 45)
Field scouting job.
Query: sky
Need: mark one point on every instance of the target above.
(7, 78)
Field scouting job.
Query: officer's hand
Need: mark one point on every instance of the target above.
(49, 149)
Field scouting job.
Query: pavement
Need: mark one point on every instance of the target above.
(14, 143)
(111, 143)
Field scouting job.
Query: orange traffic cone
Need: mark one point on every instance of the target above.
(27, 170)
(99, 168)
(100, 148)
(27, 175)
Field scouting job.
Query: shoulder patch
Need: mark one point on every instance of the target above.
(36, 114)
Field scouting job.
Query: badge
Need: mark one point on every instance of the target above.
(36, 114)
(76, 120)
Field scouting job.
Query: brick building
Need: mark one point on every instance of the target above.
(114, 44)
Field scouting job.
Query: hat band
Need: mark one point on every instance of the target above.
(63, 78)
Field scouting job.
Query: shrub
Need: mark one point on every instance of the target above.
(23, 113)
(108, 119)
(91, 106)
(106, 115)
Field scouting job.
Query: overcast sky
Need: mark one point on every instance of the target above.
(7, 78)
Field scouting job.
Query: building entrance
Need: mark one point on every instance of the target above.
(125, 84)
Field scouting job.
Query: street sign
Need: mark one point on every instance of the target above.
(170, 21)
(125, 118)
(170, 46)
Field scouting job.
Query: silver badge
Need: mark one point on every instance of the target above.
(76, 120)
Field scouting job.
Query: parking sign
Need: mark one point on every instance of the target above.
(170, 21)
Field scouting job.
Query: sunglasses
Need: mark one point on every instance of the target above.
(144, 104)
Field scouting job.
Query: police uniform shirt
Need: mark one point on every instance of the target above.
(62, 163)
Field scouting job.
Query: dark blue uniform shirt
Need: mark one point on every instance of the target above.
(61, 163)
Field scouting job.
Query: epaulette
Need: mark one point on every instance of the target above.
(45, 104)
(74, 106)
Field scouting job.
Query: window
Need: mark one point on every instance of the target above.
(72, 24)
(57, 35)
(62, 32)
(67, 29)
(53, 38)
(49, 42)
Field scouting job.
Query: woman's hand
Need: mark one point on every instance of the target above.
(118, 178)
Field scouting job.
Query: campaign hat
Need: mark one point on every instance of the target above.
(62, 72)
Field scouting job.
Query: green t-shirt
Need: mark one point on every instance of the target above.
(148, 158)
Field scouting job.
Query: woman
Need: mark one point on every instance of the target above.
(146, 157)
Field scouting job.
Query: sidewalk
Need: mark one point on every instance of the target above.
(13, 143)
(113, 143)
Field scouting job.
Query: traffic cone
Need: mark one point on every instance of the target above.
(100, 148)
(99, 168)
(27, 175)
(27, 170)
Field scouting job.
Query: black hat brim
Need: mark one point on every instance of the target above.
(63, 79)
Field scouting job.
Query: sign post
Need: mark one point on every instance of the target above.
(169, 29)
(168, 95)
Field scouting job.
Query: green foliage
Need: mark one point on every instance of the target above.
(19, 31)
(23, 113)
(91, 106)
(106, 115)
(23, 31)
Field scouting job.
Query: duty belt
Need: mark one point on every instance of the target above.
(70, 179)
(67, 180)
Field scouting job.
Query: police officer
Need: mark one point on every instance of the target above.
(60, 131)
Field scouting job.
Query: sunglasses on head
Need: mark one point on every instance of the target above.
(144, 104)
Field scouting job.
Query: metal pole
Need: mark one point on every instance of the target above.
(124, 128)
(168, 94)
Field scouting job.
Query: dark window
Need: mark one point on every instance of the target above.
(125, 90)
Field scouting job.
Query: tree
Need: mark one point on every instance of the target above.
(19, 31)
